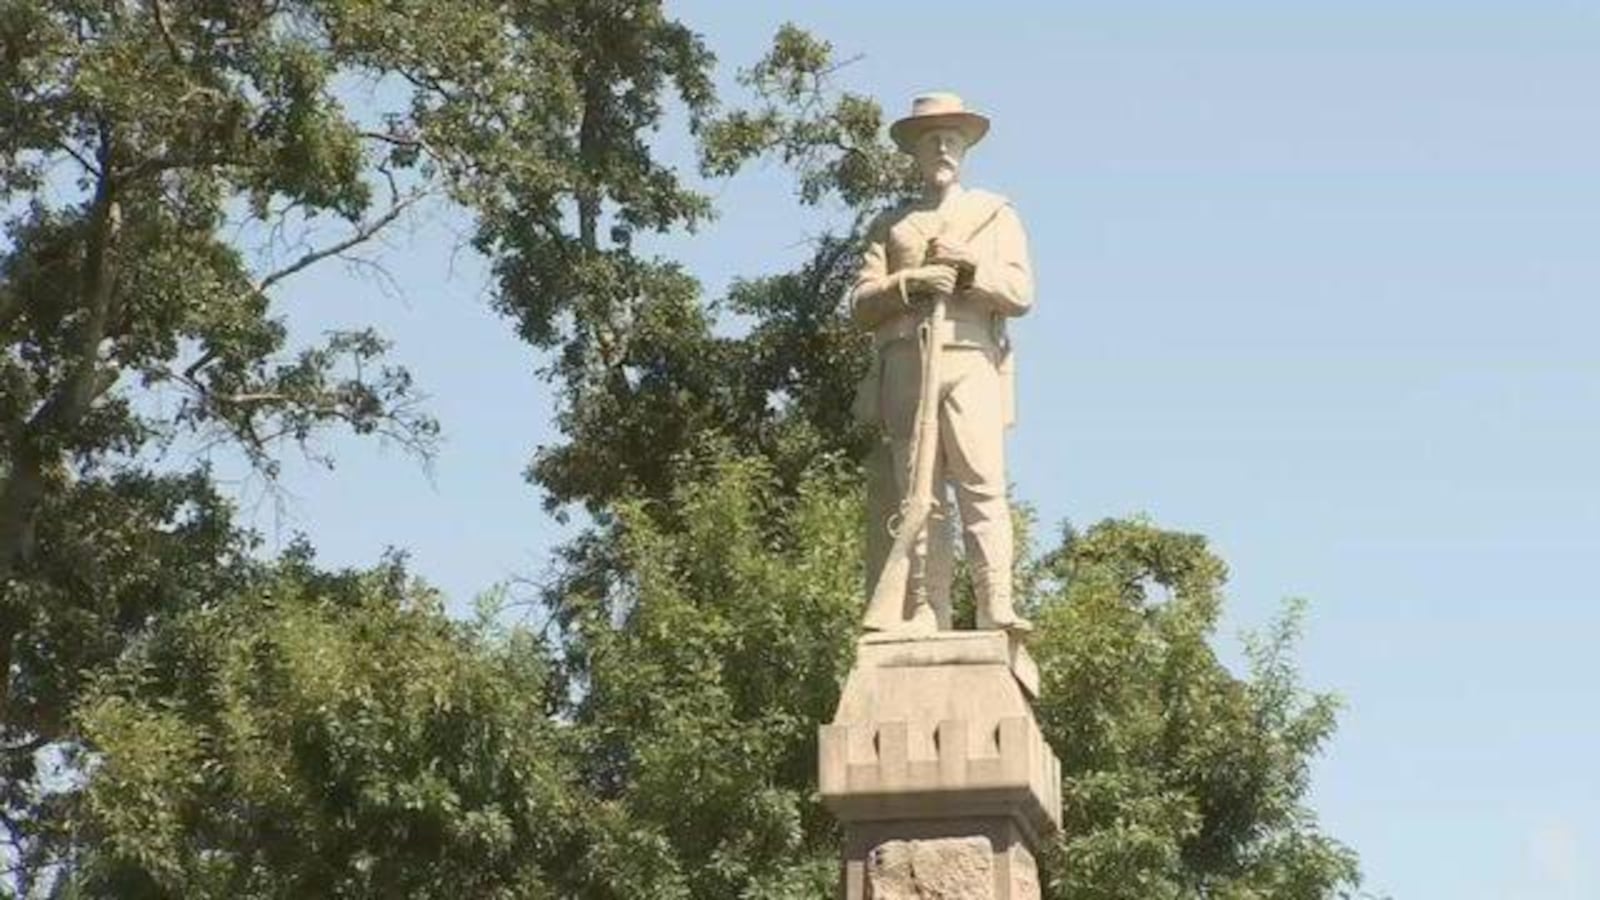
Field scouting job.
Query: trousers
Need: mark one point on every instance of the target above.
(970, 462)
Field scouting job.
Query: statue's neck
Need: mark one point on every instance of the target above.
(938, 196)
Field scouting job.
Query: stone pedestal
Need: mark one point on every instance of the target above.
(936, 767)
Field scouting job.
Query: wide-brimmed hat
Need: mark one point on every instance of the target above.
(938, 110)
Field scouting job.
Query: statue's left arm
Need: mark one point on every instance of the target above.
(1003, 277)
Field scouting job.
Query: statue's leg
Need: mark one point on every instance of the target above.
(972, 433)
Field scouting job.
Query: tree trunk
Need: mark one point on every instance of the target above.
(35, 447)
(607, 336)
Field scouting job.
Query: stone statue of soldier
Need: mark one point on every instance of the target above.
(963, 252)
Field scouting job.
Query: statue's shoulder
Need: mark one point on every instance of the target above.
(986, 201)
(993, 198)
(887, 218)
(978, 210)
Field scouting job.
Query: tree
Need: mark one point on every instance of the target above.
(647, 374)
(129, 135)
(335, 734)
(561, 238)
(1181, 779)
(717, 646)
(711, 661)
(145, 147)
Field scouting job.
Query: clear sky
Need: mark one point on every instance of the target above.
(1318, 280)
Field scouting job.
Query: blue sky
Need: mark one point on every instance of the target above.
(1318, 280)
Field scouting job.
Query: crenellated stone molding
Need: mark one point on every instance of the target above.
(937, 769)
(906, 770)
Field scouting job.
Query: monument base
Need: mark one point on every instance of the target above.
(936, 767)
(939, 859)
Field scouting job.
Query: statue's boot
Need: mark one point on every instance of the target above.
(995, 611)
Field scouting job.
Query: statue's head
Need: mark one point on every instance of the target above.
(937, 135)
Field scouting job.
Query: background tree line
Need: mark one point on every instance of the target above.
(184, 717)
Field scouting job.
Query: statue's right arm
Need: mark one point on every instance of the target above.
(878, 295)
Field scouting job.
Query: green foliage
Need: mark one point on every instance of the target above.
(649, 375)
(831, 139)
(166, 168)
(711, 663)
(713, 646)
(1180, 778)
(120, 553)
(137, 142)
(328, 736)
(716, 653)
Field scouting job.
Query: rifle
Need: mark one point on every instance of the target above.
(885, 609)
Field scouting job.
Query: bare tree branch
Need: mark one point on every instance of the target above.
(87, 163)
(206, 359)
(361, 235)
(166, 32)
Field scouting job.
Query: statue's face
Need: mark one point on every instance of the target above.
(938, 152)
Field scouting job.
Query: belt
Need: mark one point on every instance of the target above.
(969, 328)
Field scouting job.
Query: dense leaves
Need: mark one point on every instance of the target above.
(714, 649)
(712, 663)
(337, 735)
(137, 142)
(660, 371)
(168, 168)
(1181, 779)
(320, 736)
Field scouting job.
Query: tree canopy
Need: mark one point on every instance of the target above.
(182, 717)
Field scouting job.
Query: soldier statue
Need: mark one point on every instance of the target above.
(939, 277)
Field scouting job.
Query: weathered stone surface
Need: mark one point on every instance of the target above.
(1024, 874)
(938, 726)
(893, 650)
(936, 768)
(938, 869)
(953, 265)
(936, 858)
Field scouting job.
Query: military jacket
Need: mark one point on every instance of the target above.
(1002, 281)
